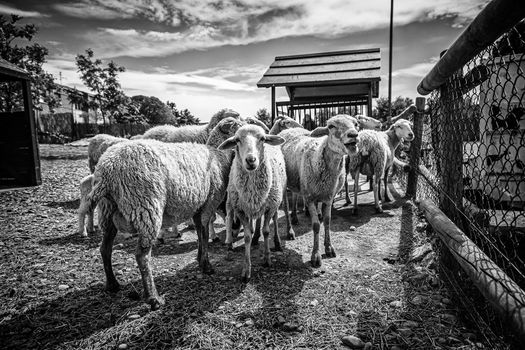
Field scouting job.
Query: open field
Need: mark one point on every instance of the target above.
(53, 282)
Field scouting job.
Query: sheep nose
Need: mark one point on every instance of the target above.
(250, 159)
(352, 134)
(411, 135)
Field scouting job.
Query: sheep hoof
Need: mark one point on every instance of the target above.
(216, 240)
(267, 262)
(156, 302)
(277, 247)
(112, 287)
(316, 259)
(161, 240)
(291, 236)
(379, 210)
(295, 220)
(348, 202)
(208, 269)
(245, 276)
(329, 252)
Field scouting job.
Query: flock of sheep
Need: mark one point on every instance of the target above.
(234, 167)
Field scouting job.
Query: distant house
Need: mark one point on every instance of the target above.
(81, 114)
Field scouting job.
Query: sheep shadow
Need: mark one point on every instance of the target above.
(66, 205)
(80, 314)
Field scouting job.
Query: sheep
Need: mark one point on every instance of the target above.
(142, 183)
(257, 186)
(364, 123)
(283, 123)
(315, 169)
(189, 133)
(86, 184)
(377, 154)
(98, 145)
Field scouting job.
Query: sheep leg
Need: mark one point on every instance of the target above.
(106, 249)
(377, 189)
(356, 184)
(348, 201)
(316, 257)
(257, 233)
(229, 237)
(247, 268)
(266, 234)
(143, 257)
(82, 222)
(236, 226)
(386, 197)
(290, 233)
(276, 237)
(202, 226)
(295, 199)
(90, 225)
(305, 208)
(327, 214)
(211, 229)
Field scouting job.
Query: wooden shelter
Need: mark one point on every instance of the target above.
(20, 165)
(320, 85)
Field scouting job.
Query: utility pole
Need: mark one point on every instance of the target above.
(390, 61)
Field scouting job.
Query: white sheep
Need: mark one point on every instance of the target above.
(188, 133)
(257, 186)
(377, 154)
(145, 182)
(283, 123)
(98, 145)
(365, 123)
(315, 169)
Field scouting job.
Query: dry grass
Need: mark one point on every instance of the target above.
(368, 290)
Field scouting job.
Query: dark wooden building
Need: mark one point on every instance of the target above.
(20, 160)
(321, 85)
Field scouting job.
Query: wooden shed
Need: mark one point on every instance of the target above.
(320, 85)
(20, 165)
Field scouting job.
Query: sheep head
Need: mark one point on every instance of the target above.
(225, 129)
(403, 129)
(368, 122)
(222, 114)
(283, 123)
(249, 143)
(342, 133)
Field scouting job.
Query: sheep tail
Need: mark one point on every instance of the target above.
(98, 192)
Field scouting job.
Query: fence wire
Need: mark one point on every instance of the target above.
(472, 157)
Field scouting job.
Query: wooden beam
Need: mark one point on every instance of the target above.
(273, 104)
(494, 20)
(36, 176)
(415, 147)
(498, 288)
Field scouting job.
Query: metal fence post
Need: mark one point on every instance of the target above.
(415, 147)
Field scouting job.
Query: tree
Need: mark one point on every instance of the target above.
(263, 115)
(28, 57)
(154, 110)
(398, 106)
(183, 117)
(108, 94)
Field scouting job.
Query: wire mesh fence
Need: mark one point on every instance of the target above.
(472, 165)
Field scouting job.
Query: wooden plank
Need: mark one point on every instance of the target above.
(332, 90)
(498, 288)
(331, 78)
(343, 66)
(305, 61)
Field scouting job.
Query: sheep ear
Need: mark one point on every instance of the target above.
(226, 127)
(261, 124)
(229, 143)
(273, 140)
(319, 131)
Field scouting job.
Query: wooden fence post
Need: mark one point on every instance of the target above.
(415, 147)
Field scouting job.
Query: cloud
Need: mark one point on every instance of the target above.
(204, 25)
(153, 10)
(11, 10)
(417, 70)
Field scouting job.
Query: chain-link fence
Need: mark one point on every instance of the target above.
(472, 166)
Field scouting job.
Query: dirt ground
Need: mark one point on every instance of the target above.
(381, 291)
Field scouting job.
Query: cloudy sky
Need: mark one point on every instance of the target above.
(207, 55)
